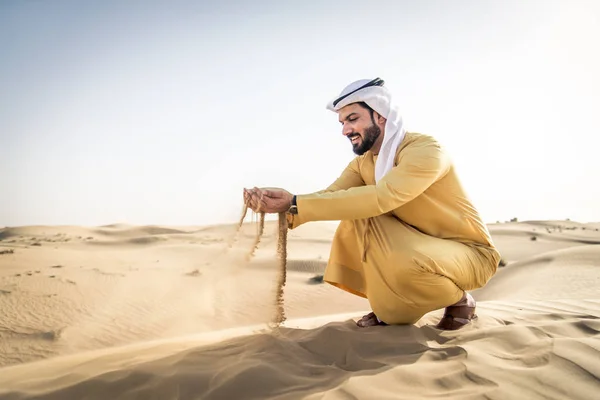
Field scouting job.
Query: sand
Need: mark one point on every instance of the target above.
(159, 312)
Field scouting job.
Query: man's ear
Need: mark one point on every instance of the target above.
(379, 118)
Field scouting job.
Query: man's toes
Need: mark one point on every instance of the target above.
(365, 320)
(369, 320)
(366, 323)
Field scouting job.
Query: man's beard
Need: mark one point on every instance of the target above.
(368, 140)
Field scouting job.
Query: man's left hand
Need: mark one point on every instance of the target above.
(268, 200)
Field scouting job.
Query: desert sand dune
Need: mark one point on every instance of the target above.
(153, 312)
(543, 236)
(570, 273)
(509, 354)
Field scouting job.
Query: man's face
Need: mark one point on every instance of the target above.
(359, 127)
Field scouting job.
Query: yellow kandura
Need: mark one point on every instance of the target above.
(411, 243)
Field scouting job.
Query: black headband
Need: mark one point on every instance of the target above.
(374, 82)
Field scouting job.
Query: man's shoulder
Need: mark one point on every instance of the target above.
(420, 143)
(418, 139)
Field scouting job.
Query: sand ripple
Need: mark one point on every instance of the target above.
(502, 356)
(143, 288)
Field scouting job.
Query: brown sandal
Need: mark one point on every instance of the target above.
(369, 320)
(455, 317)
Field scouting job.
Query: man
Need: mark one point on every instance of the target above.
(409, 240)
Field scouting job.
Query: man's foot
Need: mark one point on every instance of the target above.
(458, 315)
(369, 320)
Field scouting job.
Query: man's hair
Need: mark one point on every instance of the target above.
(366, 106)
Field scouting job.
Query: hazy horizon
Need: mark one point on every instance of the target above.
(160, 113)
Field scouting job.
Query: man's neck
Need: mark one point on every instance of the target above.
(377, 145)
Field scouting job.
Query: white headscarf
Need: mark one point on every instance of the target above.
(379, 99)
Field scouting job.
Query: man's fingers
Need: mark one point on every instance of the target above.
(256, 202)
(259, 200)
(263, 206)
(255, 192)
(263, 200)
(251, 195)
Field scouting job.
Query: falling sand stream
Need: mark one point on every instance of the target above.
(279, 316)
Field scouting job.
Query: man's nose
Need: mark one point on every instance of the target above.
(346, 130)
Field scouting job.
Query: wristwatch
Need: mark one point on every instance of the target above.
(293, 208)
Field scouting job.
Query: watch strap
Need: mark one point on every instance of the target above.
(294, 207)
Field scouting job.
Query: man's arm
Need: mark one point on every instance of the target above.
(418, 169)
(349, 178)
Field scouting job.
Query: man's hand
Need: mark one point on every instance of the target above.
(268, 200)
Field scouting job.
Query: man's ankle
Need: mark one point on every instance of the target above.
(466, 300)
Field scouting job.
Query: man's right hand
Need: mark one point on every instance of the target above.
(268, 200)
(252, 199)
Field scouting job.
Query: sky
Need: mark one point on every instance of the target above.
(147, 112)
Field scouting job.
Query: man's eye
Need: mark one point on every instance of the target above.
(352, 119)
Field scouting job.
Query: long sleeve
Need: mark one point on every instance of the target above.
(349, 178)
(418, 168)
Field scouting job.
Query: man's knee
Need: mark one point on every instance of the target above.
(411, 291)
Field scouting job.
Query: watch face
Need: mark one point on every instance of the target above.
(294, 210)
